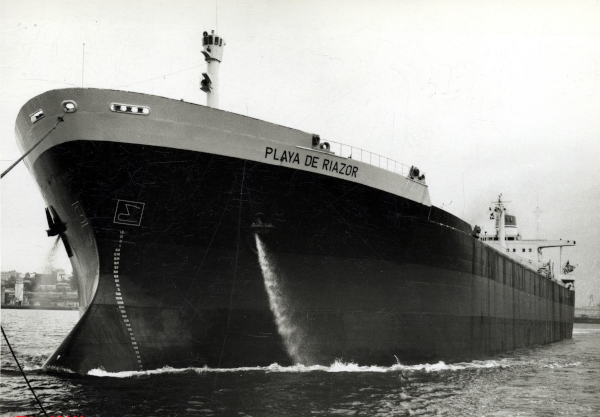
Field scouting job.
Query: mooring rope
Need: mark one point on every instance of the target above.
(60, 119)
(22, 373)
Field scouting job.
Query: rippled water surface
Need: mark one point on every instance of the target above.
(558, 379)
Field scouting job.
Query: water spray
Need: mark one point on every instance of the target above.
(293, 336)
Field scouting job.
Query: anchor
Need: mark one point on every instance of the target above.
(57, 227)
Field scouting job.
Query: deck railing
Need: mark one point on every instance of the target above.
(591, 312)
(362, 155)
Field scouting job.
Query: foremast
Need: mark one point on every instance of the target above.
(213, 54)
(499, 215)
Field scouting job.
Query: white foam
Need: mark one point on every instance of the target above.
(100, 372)
(337, 366)
(558, 365)
(29, 368)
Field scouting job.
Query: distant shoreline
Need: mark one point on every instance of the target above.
(14, 307)
(586, 320)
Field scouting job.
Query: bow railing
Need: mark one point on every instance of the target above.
(368, 157)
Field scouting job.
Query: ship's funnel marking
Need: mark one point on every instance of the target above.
(283, 310)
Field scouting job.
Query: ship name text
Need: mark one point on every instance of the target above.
(312, 161)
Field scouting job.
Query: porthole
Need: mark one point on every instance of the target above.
(130, 109)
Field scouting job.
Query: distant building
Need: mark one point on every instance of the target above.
(9, 296)
(6, 275)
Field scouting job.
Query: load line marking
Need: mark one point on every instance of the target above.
(119, 298)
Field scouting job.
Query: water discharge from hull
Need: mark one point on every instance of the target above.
(51, 258)
(294, 337)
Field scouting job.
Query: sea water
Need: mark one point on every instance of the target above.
(558, 379)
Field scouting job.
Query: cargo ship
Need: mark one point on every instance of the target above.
(205, 238)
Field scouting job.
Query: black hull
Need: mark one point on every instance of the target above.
(365, 275)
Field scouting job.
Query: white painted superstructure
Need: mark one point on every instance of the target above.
(528, 251)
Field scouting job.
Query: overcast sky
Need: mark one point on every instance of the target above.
(484, 97)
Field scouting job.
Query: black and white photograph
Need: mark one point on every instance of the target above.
(300, 208)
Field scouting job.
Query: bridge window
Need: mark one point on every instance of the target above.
(529, 249)
(514, 250)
